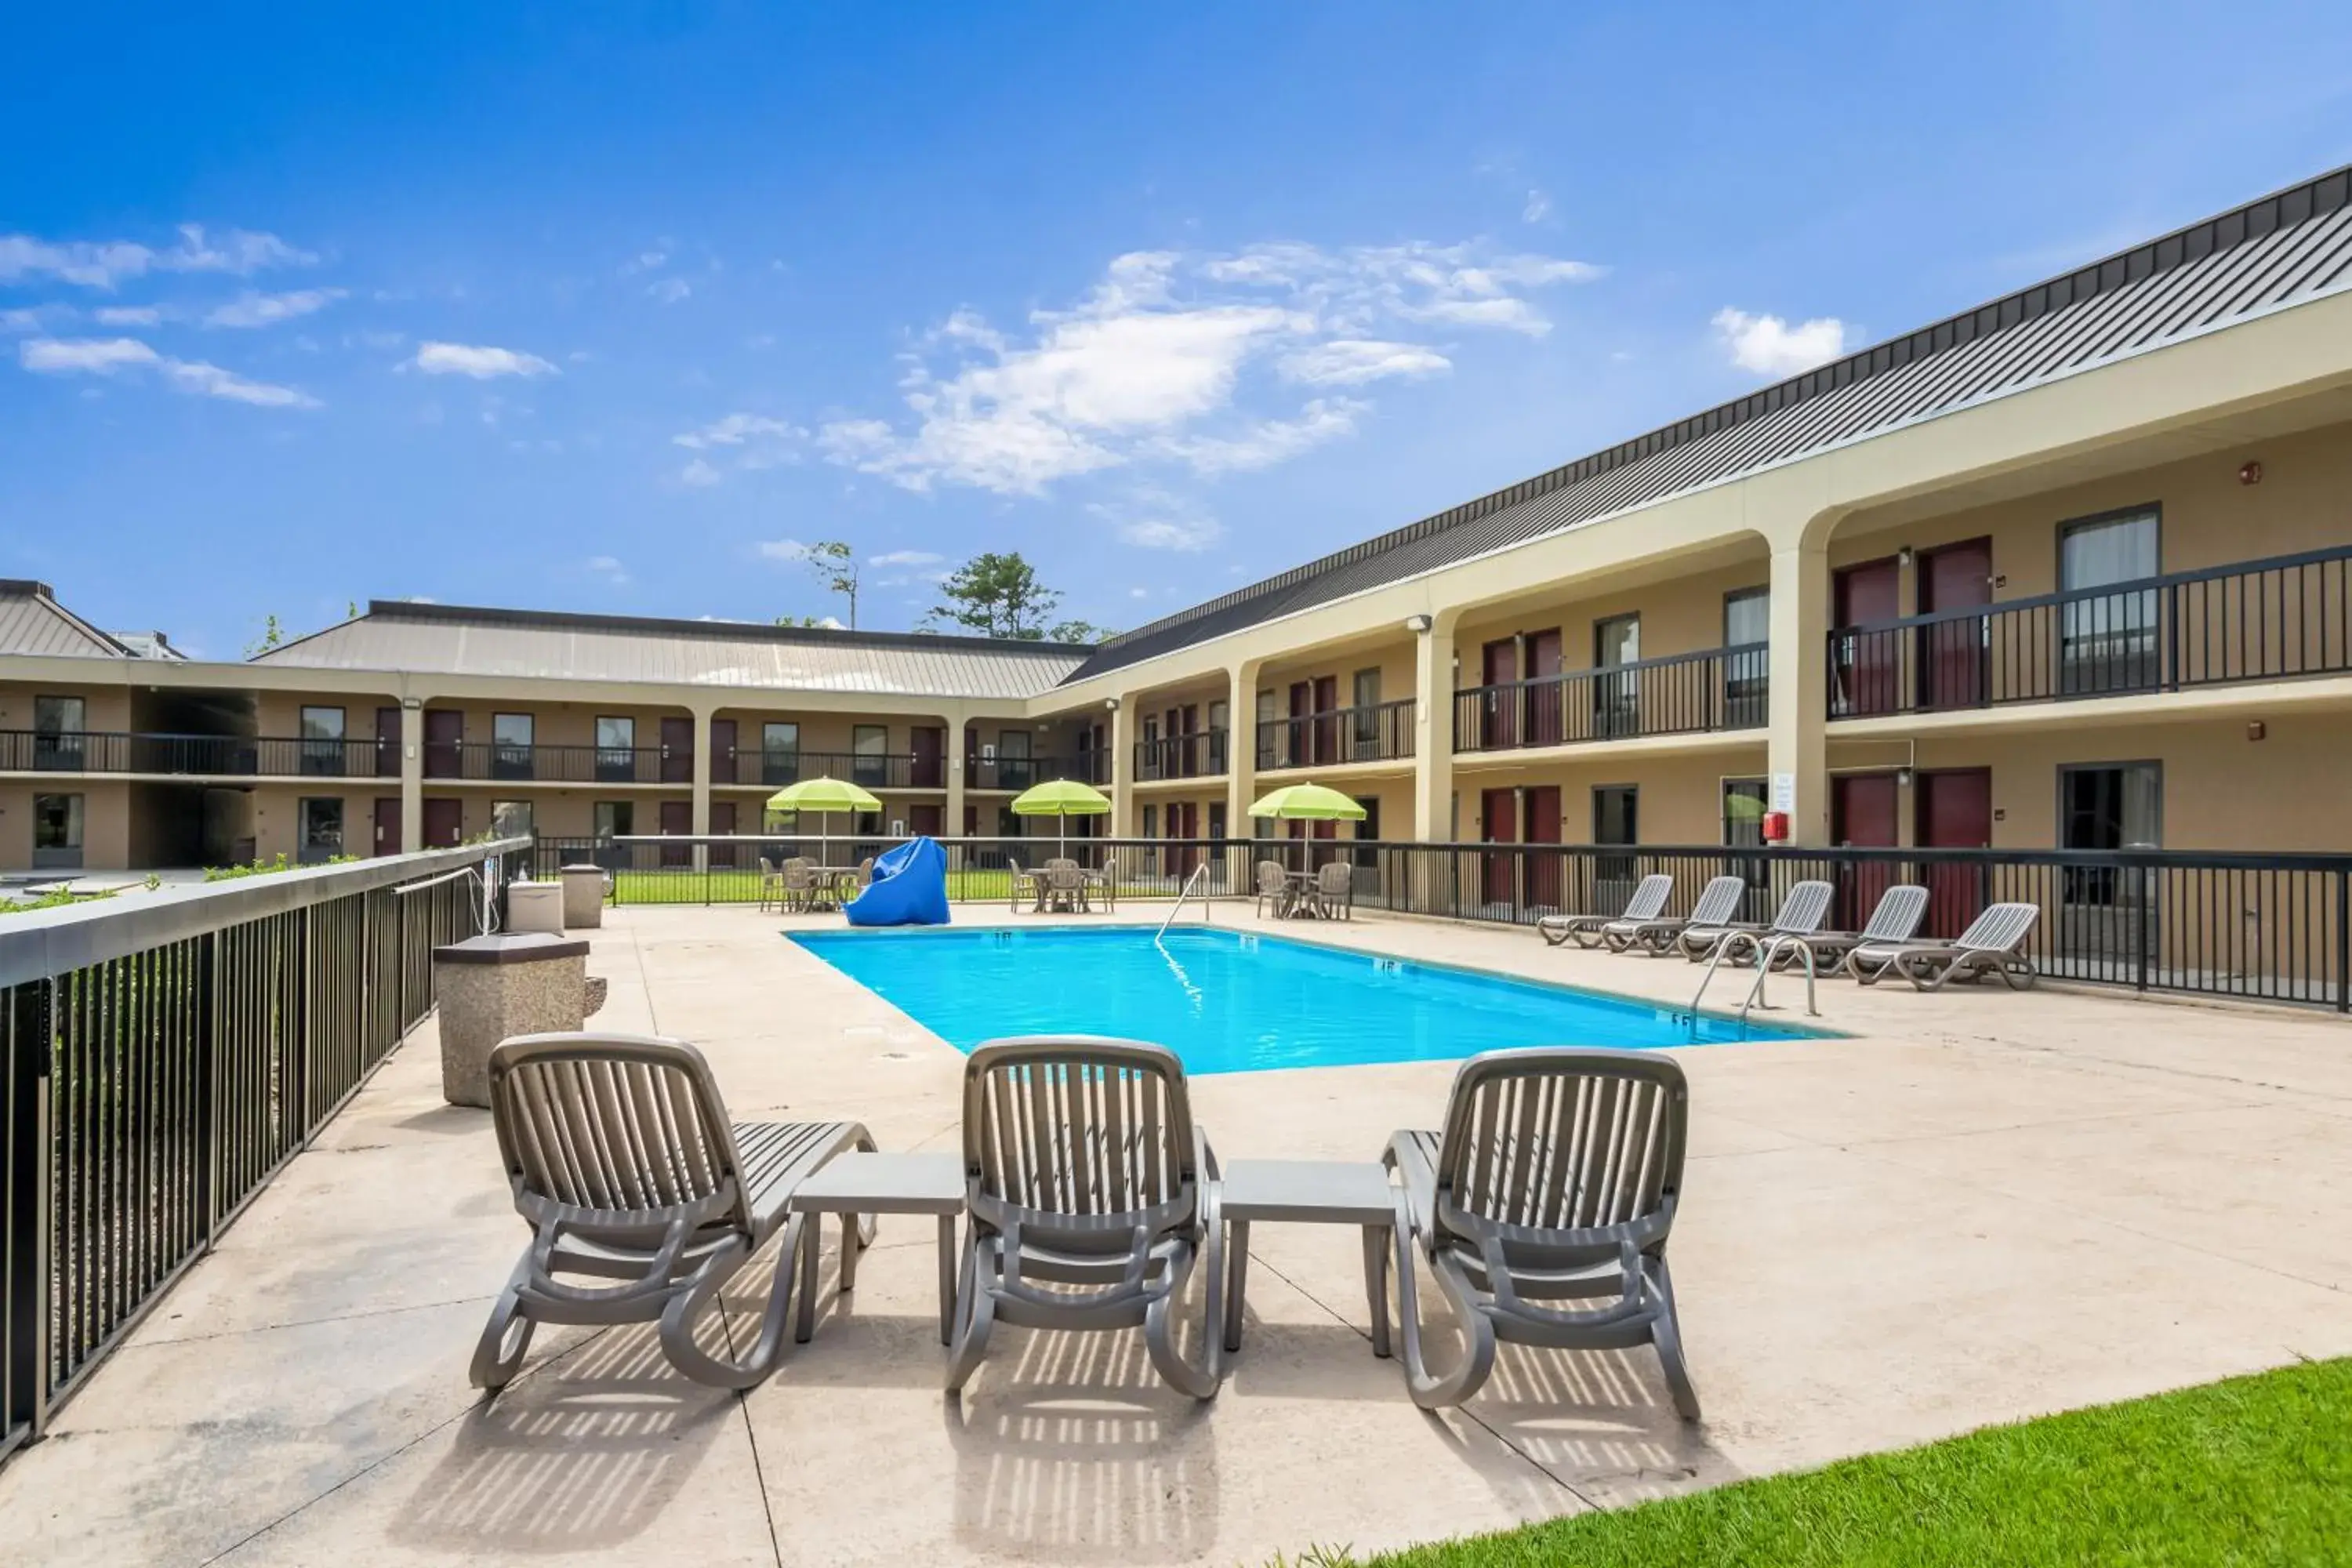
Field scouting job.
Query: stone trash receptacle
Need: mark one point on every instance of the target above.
(584, 898)
(491, 987)
(535, 906)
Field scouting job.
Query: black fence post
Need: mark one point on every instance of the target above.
(27, 1195)
(2344, 940)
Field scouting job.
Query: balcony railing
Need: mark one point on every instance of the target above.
(1679, 694)
(867, 769)
(1373, 733)
(1002, 773)
(496, 759)
(2274, 619)
(226, 756)
(1200, 754)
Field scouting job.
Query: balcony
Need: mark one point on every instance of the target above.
(2277, 619)
(1678, 694)
(499, 761)
(867, 769)
(194, 756)
(1376, 733)
(1200, 754)
(1015, 774)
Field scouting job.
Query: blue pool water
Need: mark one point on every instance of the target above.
(1236, 1002)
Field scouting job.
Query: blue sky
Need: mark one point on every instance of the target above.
(600, 311)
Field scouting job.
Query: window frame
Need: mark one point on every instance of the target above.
(308, 850)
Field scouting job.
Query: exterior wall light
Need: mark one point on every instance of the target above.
(1110, 704)
(1418, 623)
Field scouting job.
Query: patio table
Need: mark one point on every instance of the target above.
(859, 1184)
(1309, 1192)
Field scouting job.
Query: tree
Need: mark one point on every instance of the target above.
(1080, 632)
(836, 563)
(272, 634)
(822, 623)
(996, 597)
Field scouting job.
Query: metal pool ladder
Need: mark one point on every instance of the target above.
(1766, 951)
(1183, 893)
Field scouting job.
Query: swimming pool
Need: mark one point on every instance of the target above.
(1238, 1002)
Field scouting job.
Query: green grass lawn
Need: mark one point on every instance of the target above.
(2256, 1470)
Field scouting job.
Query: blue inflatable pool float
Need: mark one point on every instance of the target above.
(909, 888)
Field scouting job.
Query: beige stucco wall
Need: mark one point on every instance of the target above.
(1683, 614)
(105, 709)
(1680, 801)
(106, 822)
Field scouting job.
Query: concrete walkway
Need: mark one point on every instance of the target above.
(1981, 1208)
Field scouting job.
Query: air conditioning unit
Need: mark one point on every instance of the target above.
(988, 753)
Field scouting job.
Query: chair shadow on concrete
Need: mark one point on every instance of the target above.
(593, 1448)
(1069, 1446)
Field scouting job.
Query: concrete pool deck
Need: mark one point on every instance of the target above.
(1981, 1206)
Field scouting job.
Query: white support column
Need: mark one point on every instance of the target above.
(1433, 727)
(1241, 763)
(412, 776)
(1797, 745)
(699, 822)
(952, 815)
(1122, 768)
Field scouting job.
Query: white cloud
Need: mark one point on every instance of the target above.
(1157, 361)
(790, 550)
(1351, 361)
(644, 261)
(34, 317)
(106, 356)
(1538, 207)
(256, 309)
(1770, 346)
(1153, 518)
(481, 362)
(753, 440)
(609, 568)
(669, 290)
(126, 316)
(103, 264)
(904, 558)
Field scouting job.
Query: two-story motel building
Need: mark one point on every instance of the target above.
(2072, 569)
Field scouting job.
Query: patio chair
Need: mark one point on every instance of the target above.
(771, 884)
(1332, 895)
(1026, 887)
(1273, 887)
(1084, 1169)
(1993, 944)
(804, 888)
(1655, 935)
(1065, 888)
(621, 1157)
(1802, 910)
(1893, 923)
(1556, 1178)
(1648, 902)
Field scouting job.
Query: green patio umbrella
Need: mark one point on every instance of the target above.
(1309, 803)
(1065, 798)
(824, 795)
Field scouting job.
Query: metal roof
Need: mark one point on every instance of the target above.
(32, 621)
(451, 639)
(2284, 249)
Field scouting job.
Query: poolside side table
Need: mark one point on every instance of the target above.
(859, 1184)
(1309, 1192)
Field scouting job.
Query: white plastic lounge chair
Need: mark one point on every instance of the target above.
(622, 1159)
(1806, 905)
(1993, 945)
(1648, 902)
(1556, 1178)
(1084, 1168)
(1717, 902)
(1893, 923)
(1273, 887)
(1332, 895)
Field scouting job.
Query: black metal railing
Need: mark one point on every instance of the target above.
(1200, 754)
(2261, 927)
(868, 769)
(162, 1056)
(1015, 774)
(1373, 733)
(496, 760)
(224, 756)
(1683, 693)
(2274, 619)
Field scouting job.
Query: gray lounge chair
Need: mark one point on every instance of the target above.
(1993, 945)
(1893, 923)
(1655, 935)
(1084, 1168)
(1806, 905)
(621, 1157)
(1648, 902)
(1556, 1178)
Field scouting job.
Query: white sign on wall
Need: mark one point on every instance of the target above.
(1784, 792)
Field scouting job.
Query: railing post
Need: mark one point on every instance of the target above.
(29, 1195)
(2139, 932)
(2172, 640)
(2344, 940)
